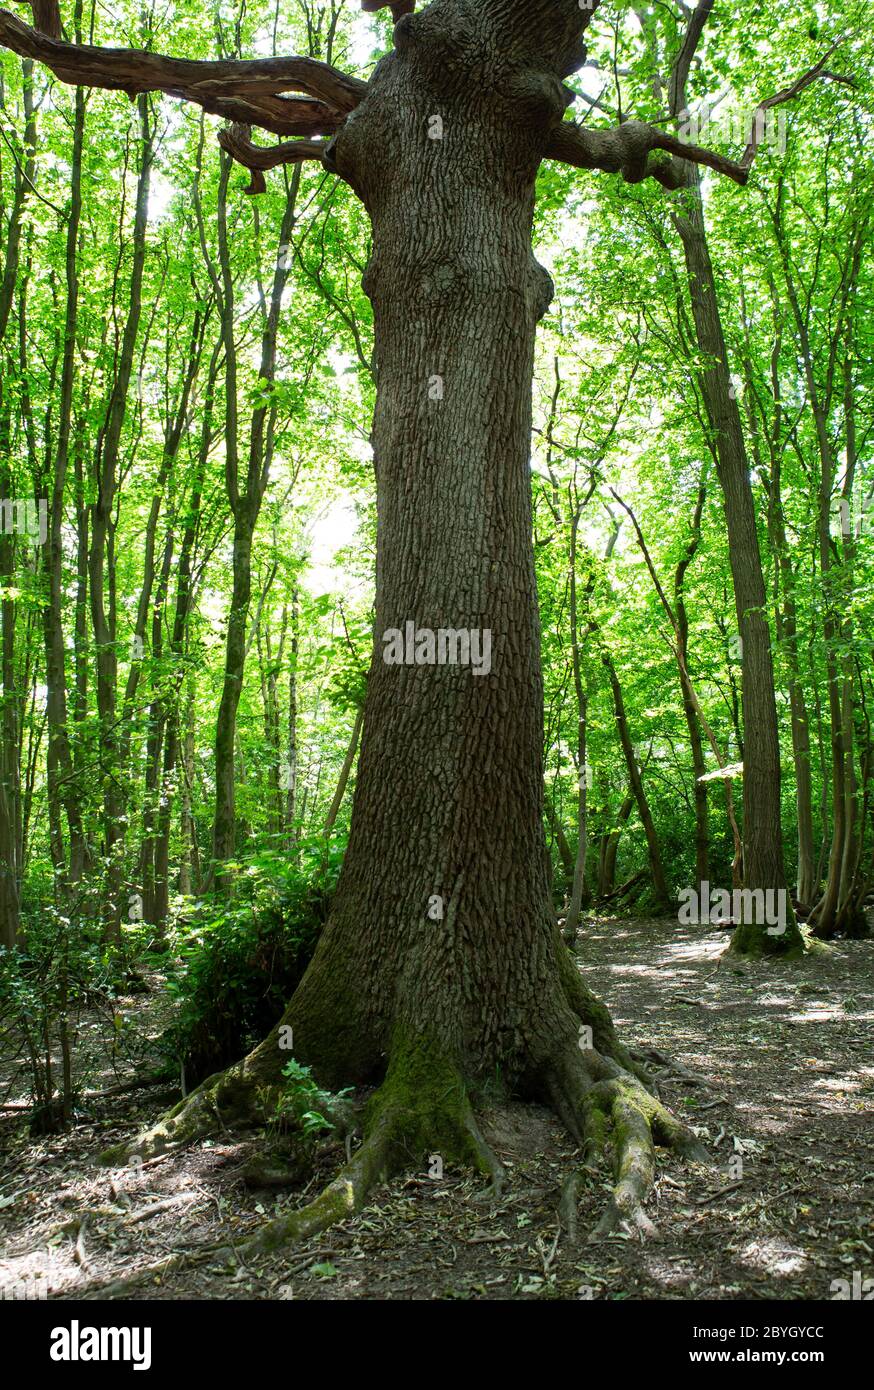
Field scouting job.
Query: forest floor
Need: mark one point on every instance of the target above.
(777, 1071)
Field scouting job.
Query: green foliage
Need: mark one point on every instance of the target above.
(302, 1103)
(60, 970)
(617, 410)
(241, 960)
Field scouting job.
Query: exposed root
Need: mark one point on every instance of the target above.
(422, 1113)
(422, 1106)
(239, 1098)
(668, 1066)
(634, 1161)
(567, 1207)
(592, 1012)
(343, 1197)
(231, 1099)
(604, 1106)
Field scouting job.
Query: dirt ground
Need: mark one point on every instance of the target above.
(776, 1074)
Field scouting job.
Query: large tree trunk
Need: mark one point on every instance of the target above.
(448, 806)
(441, 965)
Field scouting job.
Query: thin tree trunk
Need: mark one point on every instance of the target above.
(291, 755)
(578, 886)
(62, 790)
(610, 849)
(343, 779)
(785, 608)
(659, 881)
(100, 559)
(763, 866)
(245, 505)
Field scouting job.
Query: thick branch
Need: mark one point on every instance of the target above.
(238, 143)
(635, 150)
(626, 150)
(248, 92)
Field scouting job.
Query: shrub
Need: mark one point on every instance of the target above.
(60, 970)
(242, 959)
(303, 1106)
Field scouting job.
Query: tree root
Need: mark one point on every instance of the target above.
(421, 1106)
(345, 1195)
(422, 1113)
(604, 1105)
(232, 1099)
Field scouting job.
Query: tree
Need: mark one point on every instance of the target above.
(763, 866)
(9, 779)
(441, 967)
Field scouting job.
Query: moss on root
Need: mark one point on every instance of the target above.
(229, 1100)
(605, 1106)
(751, 940)
(423, 1107)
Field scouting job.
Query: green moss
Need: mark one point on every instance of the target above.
(423, 1106)
(752, 940)
(331, 1034)
(815, 947)
(334, 1204)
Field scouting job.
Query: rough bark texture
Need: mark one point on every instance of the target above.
(448, 807)
(441, 969)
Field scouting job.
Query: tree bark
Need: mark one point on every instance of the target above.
(448, 807)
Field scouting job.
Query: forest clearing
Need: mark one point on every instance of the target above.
(436, 634)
